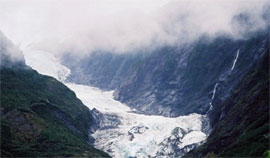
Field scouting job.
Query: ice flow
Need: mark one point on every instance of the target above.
(125, 133)
(137, 134)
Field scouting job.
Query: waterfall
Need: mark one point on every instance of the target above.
(215, 88)
(213, 96)
(235, 60)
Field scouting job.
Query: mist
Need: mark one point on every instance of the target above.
(123, 26)
(8, 51)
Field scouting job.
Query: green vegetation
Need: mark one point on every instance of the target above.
(41, 117)
(267, 153)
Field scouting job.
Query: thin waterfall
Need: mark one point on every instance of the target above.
(213, 96)
(215, 88)
(235, 60)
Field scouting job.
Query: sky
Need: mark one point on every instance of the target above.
(121, 26)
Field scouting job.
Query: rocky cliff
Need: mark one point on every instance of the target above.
(172, 81)
(241, 122)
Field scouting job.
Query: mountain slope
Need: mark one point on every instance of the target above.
(40, 117)
(241, 122)
(172, 81)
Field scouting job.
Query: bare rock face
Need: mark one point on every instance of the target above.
(103, 121)
(241, 122)
(172, 81)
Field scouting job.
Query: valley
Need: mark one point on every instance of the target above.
(124, 132)
(143, 125)
(134, 78)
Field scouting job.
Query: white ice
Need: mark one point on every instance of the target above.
(45, 63)
(117, 141)
(95, 98)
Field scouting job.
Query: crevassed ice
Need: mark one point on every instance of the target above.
(119, 142)
(137, 134)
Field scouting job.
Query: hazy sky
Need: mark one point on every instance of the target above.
(121, 25)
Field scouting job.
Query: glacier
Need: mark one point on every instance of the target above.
(45, 62)
(138, 135)
(127, 133)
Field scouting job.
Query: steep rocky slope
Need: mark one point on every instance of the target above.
(241, 122)
(172, 81)
(40, 117)
(224, 78)
(102, 69)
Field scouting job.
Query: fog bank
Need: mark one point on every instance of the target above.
(120, 26)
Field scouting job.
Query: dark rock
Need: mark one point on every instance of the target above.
(171, 81)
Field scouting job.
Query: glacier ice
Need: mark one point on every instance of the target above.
(137, 135)
(126, 133)
(45, 63)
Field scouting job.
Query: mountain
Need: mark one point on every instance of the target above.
(172, 81)
(241, 122)
(224, 79)
(40, 116)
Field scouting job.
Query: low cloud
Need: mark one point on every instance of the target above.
(8, 51)
(120, 26)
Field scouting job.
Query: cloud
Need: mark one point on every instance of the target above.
(124, 25)
(8, 51)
